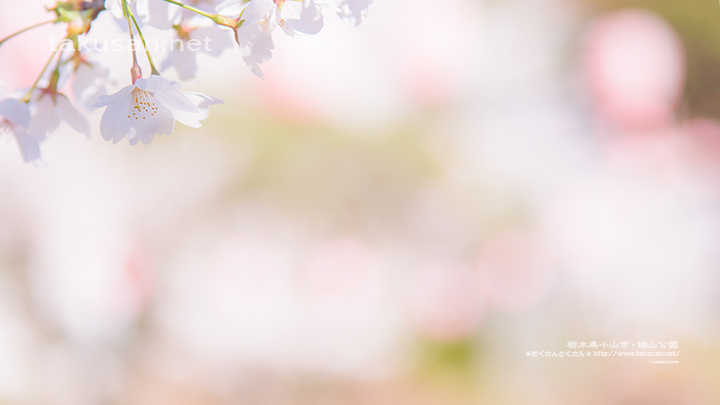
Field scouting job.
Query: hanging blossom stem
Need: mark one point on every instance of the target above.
(25, 29)
(147, 51)
(135, 71)
(126, 11)
(26, 98)
(217, 18)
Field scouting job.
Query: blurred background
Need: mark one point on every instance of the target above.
(398, 214)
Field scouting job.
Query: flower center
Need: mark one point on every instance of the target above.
(142, 105)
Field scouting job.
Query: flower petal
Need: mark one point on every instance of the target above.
(29, 146)
(256, 46)
(45, 119)
(115, 7)
(89, 84)
(162, 122)
(175, 100)
(114, 98)
(203, 102)
(310, 20)
(354, 11)
(71, 115)
(184, 62)
(115, 123)
(157, 83)
(215, 39)
(15, 111)
(256, 10)
(158, 15)
(230, 7)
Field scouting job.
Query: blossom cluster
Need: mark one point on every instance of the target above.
(150, 105)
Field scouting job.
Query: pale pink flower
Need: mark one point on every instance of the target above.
(150, 107)
(14, 120)
(49, 110)
(351, 11)
(261, 17)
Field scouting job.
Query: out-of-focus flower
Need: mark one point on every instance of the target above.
(301, 16)
(115, 7)
(515, 271)
(158, 14)
(149, 107)
(14, 119)
(700, 149)
(142, 8)
(256, 46)
(89, 83)
(260, 17)
(49, 110)
(637, 68)
(445, 303)
(164, 16)
(194, 37)
(344, 278)
(351, 11)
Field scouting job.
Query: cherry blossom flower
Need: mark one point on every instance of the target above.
(150, 107)
(141, 9)
(51, 108)
(292, 16)
(351, 11)
(89, 83)
(207, 38)
(14, 119)
(158, 14)
(164, 16)
(261, 17)
(86, 75)
(256, 47)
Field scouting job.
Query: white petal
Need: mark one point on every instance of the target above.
(132, 134)
(157, 83)
(66, 71)
(256, 46)
(175, 100)
(70, 114)
(115, 123)
(158, 15)
(214, 39)
(89, 84)
(45, 119)
(162, 122)
(310, 20)
(256, 10)
(115, 7)
(184, 62)
(189, 119)
(15, 111)
(231, 8)
(354, 11)
(167, 63)
(271, 20)
(29, 146)
(114, 98)
(203, 102)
